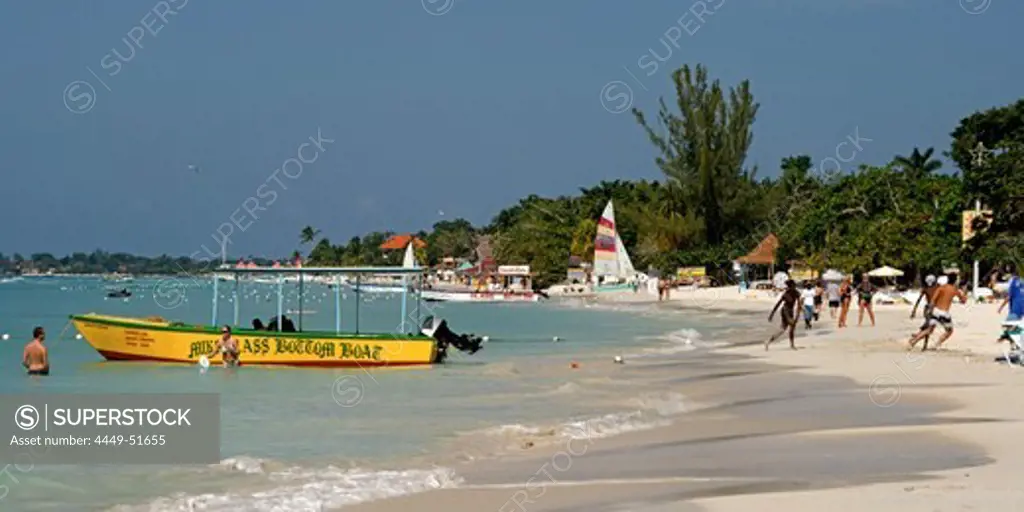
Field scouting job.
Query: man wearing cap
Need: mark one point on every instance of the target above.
(926, 294)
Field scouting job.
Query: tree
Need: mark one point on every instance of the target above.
(994, 175)
(308, 235)
(450, 238)
(918, 164)
(703, 147)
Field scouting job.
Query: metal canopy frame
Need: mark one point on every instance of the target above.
(337, 271)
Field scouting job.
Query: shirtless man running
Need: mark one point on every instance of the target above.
(36, 359)
(942, 300)
(791, 297)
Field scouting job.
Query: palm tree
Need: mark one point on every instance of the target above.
(308, 234)
(918, 164)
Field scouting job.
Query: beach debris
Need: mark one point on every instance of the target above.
(574, 365)
(619, 360)
(486, 339)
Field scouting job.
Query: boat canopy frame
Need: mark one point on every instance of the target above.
(405, 272)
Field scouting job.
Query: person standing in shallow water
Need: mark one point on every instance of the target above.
(789, 300)
(35, 358)
(228, 348)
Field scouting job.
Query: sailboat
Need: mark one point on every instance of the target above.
(612, 266)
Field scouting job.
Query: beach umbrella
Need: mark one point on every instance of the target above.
(832, 275)
(885, 271)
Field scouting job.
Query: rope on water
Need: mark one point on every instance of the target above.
(61, 337)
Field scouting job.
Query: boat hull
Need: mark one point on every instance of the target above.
(440, 296)
(132, 339)
(619, 287)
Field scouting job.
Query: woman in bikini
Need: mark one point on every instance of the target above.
(865, 293)
(845, 296)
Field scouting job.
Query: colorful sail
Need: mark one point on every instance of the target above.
(605, 253)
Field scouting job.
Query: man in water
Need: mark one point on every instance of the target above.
(942, 300)
(790, 298)
(927, 295)
(36, 359)
(227, 347)
(1014, 298)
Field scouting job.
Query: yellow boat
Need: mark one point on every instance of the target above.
(158, 340)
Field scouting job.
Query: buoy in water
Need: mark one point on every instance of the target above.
(619, 360)
(78, 336)
(556, 338)
(6, 336)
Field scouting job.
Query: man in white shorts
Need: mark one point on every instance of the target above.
(942, 301)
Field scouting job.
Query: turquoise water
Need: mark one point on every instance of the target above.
(286, 441)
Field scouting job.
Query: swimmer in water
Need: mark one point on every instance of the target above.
(36, 359)
(227, 347)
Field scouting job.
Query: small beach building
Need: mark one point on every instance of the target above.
(763, 254)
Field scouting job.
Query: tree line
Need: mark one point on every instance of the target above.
(711, 207)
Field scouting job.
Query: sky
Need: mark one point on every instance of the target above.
(157, 127)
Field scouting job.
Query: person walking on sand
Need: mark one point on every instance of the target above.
(845, 297)
(942, 300)
(927, 295)
(819, 298)
(789, 300)
(832, 292)
(35, 358)
(807, 296)
(865, 293)
(1014, 298)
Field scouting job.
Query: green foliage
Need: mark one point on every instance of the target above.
(710, 209)
(997, 180)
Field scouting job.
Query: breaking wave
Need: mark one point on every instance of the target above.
(298, 489)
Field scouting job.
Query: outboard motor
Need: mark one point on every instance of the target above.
(438, 329)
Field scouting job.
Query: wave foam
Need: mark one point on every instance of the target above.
(652, 411)
(308, 490)
(673, 342)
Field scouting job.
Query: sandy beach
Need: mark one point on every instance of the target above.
(852, 421)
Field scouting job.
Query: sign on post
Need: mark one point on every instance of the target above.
(969, 216)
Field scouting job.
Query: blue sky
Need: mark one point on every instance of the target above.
(462, 110)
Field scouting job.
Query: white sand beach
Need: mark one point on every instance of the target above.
(852, 421)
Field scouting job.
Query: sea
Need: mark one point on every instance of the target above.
(290, 439)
